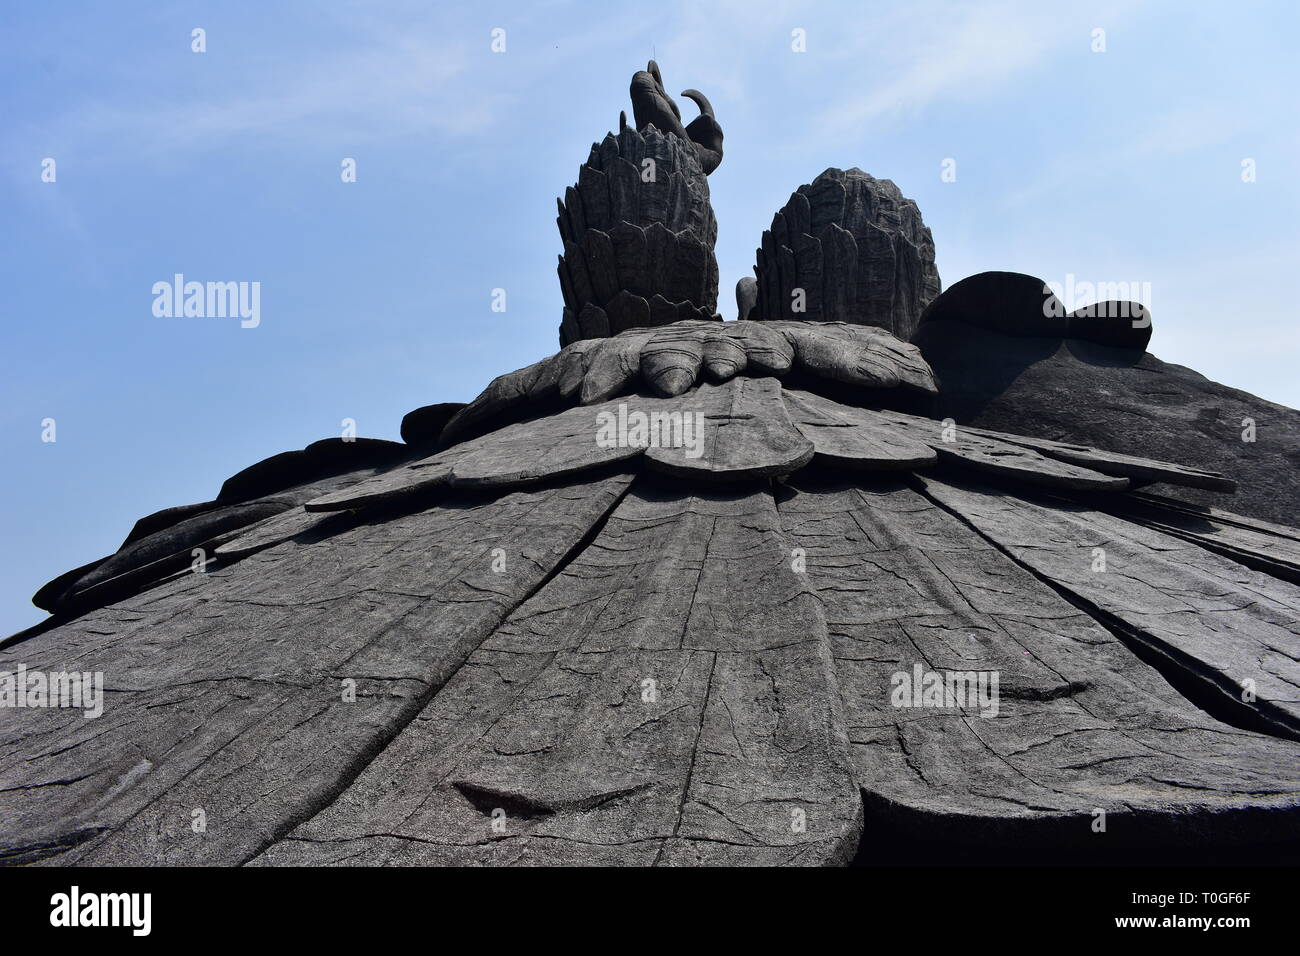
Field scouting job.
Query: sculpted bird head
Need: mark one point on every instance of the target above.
(652, 106)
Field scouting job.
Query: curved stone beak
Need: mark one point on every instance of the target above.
(652, 106)
(705, 132)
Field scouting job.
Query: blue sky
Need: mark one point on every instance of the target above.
(1116, 166)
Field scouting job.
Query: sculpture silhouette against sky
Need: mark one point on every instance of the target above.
(690, 591)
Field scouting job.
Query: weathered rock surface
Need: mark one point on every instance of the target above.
(847, 248)
(1082, 725)
(529, 647)
(744, 433)
(258, 730)
(672, 359)
(668, 698)
(874, 439)
(696, 593)
(1231, 629)
(1119, 400)
(736, 430)
(178, 548)
(1262, 545)
(1138, 470)
(653, 599)
(854, 437)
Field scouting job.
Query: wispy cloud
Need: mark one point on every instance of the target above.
(1131, 141)
(391, 86)
(920, 53)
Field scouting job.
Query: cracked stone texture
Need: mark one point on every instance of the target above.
(565, 652)
(856, 247)
(1225, 623)
(549, 718)
(223, 689)
(1082, 723)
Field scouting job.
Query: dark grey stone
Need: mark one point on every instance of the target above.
(652, 106)
(1083, 724)
(523, 638)
(746, 296)
(329, 456)
(425, 424)
(1123, 401)
(638, 230)
(1007, 302)
(670, 359)
(165, 518)
(770, 619)
(855, 248)
(1125, 325)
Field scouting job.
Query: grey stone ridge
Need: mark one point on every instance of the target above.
(526, 643)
